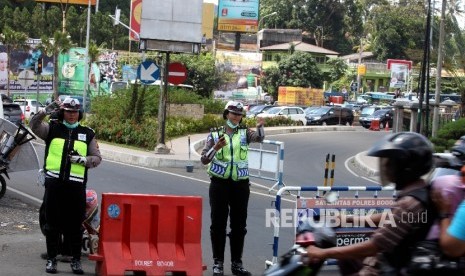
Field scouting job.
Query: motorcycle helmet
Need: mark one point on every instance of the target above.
(459, 148)
(404, 157)
(233, 107)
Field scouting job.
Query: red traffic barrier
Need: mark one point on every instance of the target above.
(374, 125)
(155, 234)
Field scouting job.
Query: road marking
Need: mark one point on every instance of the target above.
(195, 179)
(25, 195)
(346, 165)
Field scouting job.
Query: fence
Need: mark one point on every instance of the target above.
(316, 204)
(267, 162)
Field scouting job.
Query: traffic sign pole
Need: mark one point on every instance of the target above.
(161, 147)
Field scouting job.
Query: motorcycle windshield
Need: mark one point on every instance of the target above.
(22, 157)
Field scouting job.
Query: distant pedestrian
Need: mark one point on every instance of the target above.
(70, 149)
(226, 152)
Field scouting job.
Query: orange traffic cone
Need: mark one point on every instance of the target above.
(386, 128)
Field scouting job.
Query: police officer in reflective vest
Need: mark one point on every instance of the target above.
(70, 149)
(226, 152)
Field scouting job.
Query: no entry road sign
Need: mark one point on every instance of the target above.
(177, 73)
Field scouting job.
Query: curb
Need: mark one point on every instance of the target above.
(370, 172)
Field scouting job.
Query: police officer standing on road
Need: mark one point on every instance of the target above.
(226, 153)
(70, 149)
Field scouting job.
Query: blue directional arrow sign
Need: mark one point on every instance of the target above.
(148, 72)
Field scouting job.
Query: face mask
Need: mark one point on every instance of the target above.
(71, 126)
(231, 124)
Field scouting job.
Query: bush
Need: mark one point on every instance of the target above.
(113, 121)
(448, 134)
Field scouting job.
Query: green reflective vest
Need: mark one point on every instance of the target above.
(61, 141)
(232, 160)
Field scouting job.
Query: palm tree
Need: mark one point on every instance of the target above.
(53, 47)
(13, 41)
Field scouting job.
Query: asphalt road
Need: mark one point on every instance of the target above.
(304, 165)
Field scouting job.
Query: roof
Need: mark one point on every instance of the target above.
(356, 56)
(299, 46)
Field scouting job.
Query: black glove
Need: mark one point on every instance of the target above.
(53, 106)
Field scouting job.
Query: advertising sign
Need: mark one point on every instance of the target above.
(136, 10)
(399, 75)
(349, 233)
(20, 61)
(240, 65)
(399, 72)
(71, 70)
(238, 16)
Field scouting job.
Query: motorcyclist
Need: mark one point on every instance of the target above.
(71, 149)
(404, 158)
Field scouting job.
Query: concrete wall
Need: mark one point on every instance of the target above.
(194, 111)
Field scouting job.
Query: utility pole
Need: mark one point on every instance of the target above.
(358, 68)
(439, 70)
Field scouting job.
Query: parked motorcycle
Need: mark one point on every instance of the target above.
(16, 151)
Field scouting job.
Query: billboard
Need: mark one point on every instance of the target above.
(238, 16)
(24, 60)
(76, 2)
(399, 72)
(208, 19)
(172, 20)
(71, 71)
(134, 23)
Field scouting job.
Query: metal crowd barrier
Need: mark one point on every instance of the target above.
(302, 203)
(268, 164)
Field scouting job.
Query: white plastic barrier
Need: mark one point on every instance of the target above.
(266, 163)
(317, 189)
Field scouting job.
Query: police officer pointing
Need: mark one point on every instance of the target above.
(226, 153)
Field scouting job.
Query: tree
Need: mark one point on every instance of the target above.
(396, 33)
(338, 69)
(53, 47)
(202, 73)
(300, 70)
(13, 41)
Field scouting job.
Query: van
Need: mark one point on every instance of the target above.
(330, 115)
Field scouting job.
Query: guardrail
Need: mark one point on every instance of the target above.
(315, 204)
(268, 164)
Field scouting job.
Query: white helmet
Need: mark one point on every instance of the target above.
(234, 107)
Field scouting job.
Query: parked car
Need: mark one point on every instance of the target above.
(369, 110)
(13, 113)
(294, 113)
(384, 116)
(258, 109)
(330, 115)
(29, 106)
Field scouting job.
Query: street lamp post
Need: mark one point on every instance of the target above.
(261, 19)
(259, 24)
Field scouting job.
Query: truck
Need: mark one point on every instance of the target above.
(300, 96)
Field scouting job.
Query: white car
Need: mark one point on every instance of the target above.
(29, 106)
(292, 112)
